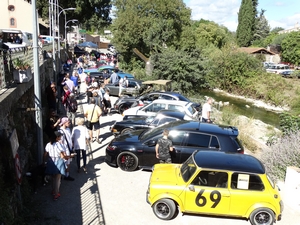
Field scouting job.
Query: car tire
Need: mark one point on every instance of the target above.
(262, 216)
(126, 130)
(122, 108)
(127, 161)
(165, 209)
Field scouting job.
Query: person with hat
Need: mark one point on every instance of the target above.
(66, 141)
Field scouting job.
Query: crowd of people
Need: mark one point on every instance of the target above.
(69, 136)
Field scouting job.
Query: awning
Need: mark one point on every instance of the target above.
(159, 82)
(43, 23)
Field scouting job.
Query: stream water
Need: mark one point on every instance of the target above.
(239, 107)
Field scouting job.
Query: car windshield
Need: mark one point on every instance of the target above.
(192, 110)
(150, 119)
(188, 168)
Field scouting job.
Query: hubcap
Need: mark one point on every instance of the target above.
(163, 209)
(263, 218)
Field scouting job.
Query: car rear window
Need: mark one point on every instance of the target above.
(237, 143)
(246, 182)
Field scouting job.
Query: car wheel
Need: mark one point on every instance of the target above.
(127, 161)
(164, 209)
(122, 108)
(126, 130)
(262, 216)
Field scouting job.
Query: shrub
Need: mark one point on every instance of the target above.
(279, 156)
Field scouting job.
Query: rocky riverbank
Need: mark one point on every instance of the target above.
(257, 103)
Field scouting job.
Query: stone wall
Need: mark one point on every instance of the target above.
(16, 104)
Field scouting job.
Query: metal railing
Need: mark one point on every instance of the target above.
(24, 55)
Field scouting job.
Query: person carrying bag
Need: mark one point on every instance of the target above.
(54, 160)
(93, 113)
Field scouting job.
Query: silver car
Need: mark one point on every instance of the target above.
(132, 89)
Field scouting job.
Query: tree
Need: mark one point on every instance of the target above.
(92, 14)
(276, 30)
(290, 47)
(246, 22)
(262, 28)
(231, 70)
(184, 68)
(212, 34)
(148, 25)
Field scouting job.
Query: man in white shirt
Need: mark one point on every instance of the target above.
(206, 110)
(123, 83)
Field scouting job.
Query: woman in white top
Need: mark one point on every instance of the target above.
(67, 143)
(80, 136)
(56, 152)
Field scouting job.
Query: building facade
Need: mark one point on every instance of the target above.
(16, 14)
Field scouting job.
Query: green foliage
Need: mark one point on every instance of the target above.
(92, 15)
(230, 70)
(262, 28)
(289, 123)
(149, 26)
(184, 68)
(291, 48)
(211, 33)
(281, 155)
(276, 30)
(246, 22)
(274, 39)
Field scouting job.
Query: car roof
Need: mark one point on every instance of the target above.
(91, 70)
(176, 94)
(106, 67)
(184, 103)
(122, 75)
(228, 161)
(203, 127)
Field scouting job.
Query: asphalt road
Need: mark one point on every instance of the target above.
(109, 196)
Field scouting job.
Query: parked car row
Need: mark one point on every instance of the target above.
(127, 102)
(136, 148)
(209, 173)
(278, 68)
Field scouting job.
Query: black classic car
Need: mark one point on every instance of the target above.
(144, 122)
(137, 148)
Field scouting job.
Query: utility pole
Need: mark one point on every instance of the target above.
(53, 40)
(37, 86)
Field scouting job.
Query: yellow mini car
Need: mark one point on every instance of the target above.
(215, 183)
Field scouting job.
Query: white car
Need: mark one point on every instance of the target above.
(159, 104)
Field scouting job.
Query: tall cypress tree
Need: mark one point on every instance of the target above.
(246, 22)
